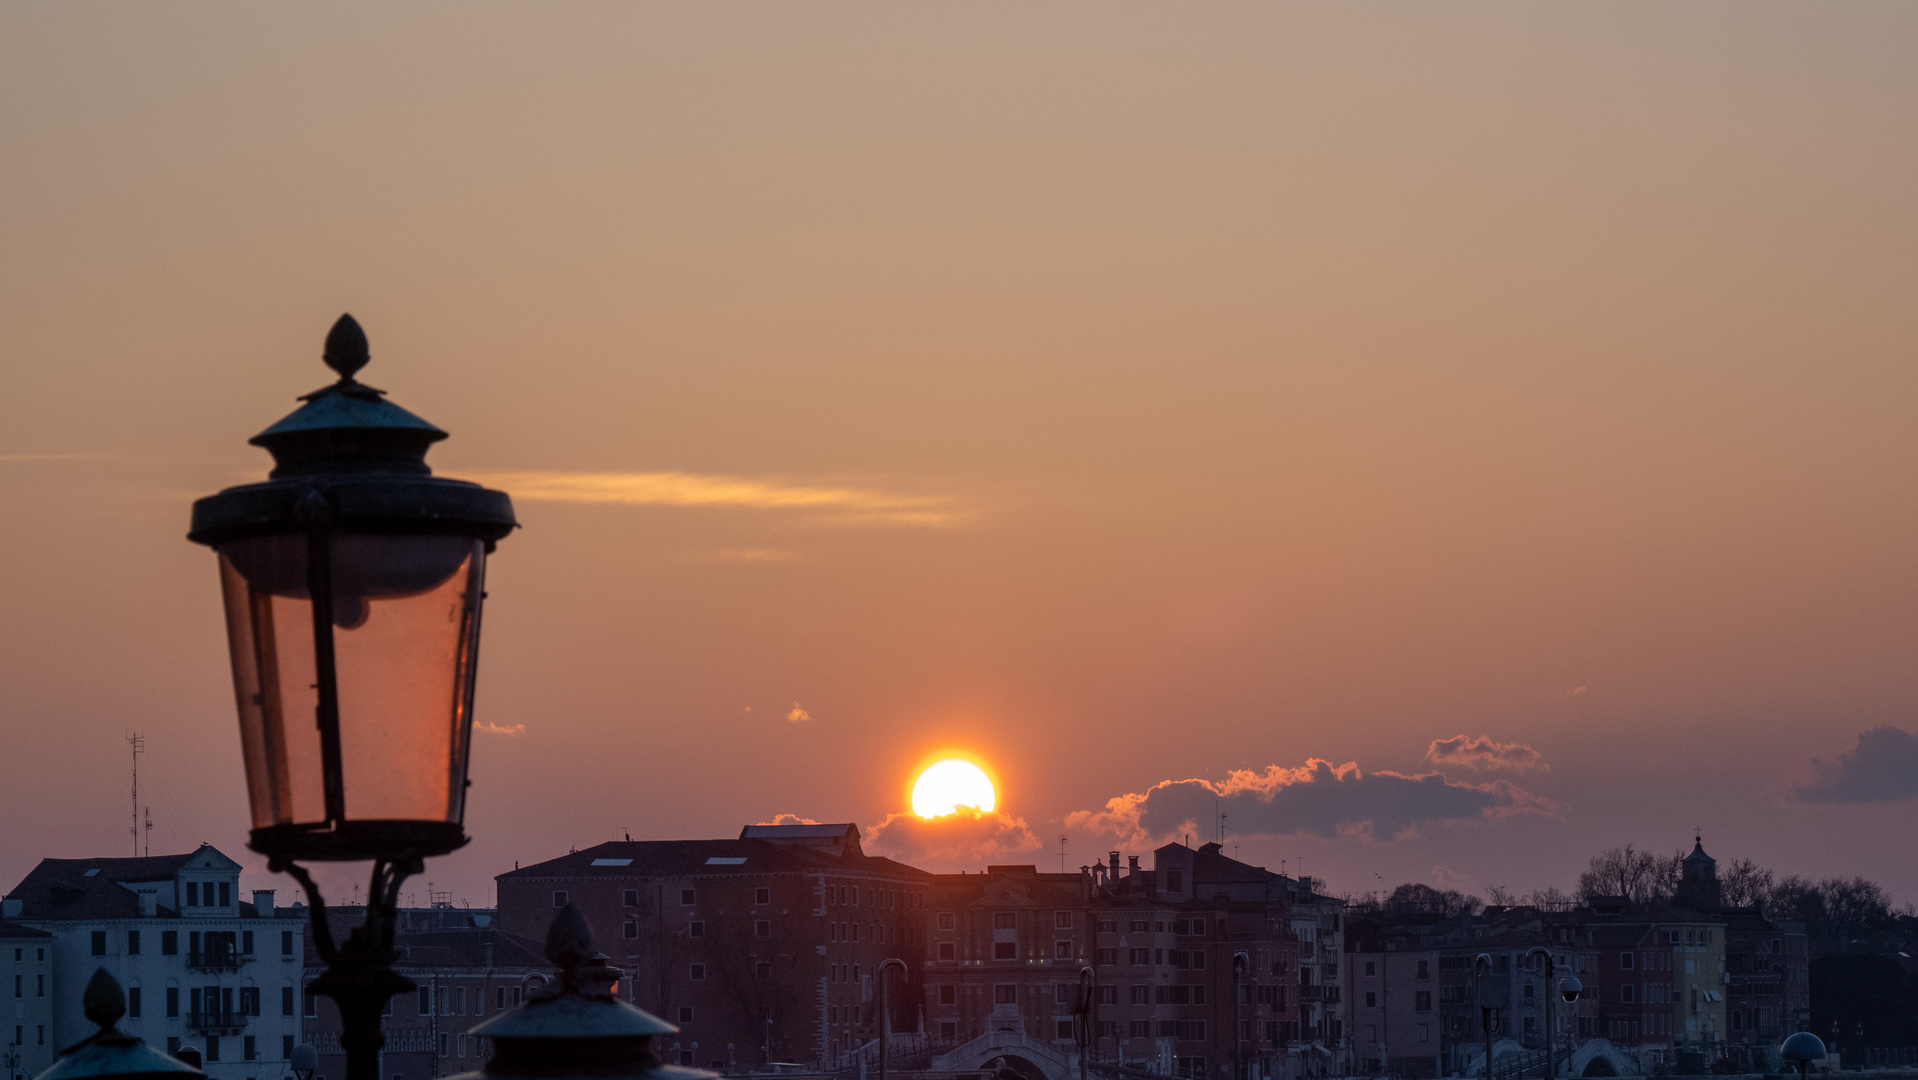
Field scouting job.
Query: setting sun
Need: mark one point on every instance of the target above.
(946, 786)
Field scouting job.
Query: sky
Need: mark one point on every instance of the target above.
(1446, 441)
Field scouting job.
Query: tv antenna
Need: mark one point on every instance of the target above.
(138, 743)
(1062, 854)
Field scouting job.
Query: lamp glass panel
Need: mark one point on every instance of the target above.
(405, 634)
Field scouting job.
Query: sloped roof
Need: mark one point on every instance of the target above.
(688, 858)
(813, 831)
(91, 889)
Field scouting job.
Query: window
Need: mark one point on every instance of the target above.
(286, 1048)
(499, 998)
(1425, 1033)
(1140, 926)
(685, 1014)
(1140, 957)
(763, 969)
(212, 1041)
(1625, 993)
(947, 950)
(133, 1002)
(173, 1001)
(1140, 995)
(1425, 969)
(1005, 994)
(1005, 950)
(446, 1044)
(852, 894)
(459, 1001)
(1371, 967)
(133, 943)
(950, 921)
(1062, 920)
(226, 894)
(1005, 920)
(762, 896)
(39, 986)
(1062, 950)
(1625, 961)
(1062, 1029)
(559, 898)
(1108, 926)
(246, 943)
(696, 928)
(629, 929)
(250, 1000)
(630, 898)
(192, 894)
(99, 943)
(310, 1003)
(1139, 1029)
(1422, 1001)
(697, 972)
(948, 994)
(1529, 995)
(1108, 957)
(286, 1000)
(1371, 1000)
(1174, 881)
(247, 1048)
(286, 943)
(763, 928)
(949, 1031)
(686, 897)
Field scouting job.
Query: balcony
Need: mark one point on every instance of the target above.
(216, 1023)
(216, 960)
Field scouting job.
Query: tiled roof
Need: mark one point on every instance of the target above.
(685, 858)
(90, 889)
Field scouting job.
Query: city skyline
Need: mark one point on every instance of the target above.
(1446, 444)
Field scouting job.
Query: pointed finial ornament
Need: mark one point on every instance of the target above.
(346, 348)
(103, 1001)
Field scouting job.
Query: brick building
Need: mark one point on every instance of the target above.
(763, 947)
(466, 969)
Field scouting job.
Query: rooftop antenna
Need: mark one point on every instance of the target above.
(148, 826)
(1062, 854)
(139, 745)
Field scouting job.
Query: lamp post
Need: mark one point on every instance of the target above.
(353, 579)
(1481, 967)
(1551, 969)
(1569, 992)
(1088, 1015)
(305, 1062)
(885, 1010)
(1240, 961)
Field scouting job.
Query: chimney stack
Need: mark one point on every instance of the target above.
(263, 902)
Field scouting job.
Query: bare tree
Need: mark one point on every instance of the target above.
(1551, 898)
(1639, 876)
(1744, 883)
(1501, 896)
(1414, 897)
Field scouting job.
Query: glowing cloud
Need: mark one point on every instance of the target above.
(1480, 752)
(1318, 797)
(964, 838)
(830, 504)
(798, 715)
(498, 729)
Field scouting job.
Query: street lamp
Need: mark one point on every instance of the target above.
(305, 1062)
(1481, 967)
(1087, 1010)
(353, 579)
(1568, 990)
(1801, 1050)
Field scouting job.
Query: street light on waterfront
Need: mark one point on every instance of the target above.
(353, 579)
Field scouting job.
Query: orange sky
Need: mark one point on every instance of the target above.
(1120, 393)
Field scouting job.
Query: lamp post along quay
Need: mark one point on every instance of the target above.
(353, 579)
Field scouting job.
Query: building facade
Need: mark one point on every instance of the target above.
(201, 966)
(26, 958)
(762, 948)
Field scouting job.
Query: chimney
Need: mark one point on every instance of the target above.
(1132, 866)
(1112, 860)
(11, 908)
(263, 902)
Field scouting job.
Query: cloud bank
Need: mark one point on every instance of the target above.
(966, 838)
(1480, 752)
(1318, 797)
(829, 504)
(1883, 767)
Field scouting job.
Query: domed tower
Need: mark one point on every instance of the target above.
(1698, 880)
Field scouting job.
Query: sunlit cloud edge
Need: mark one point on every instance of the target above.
(826, 503)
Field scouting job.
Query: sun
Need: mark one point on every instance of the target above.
(947, 785)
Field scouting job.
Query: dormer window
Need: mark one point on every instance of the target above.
(192, 894)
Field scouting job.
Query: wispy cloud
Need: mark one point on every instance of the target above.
(1480, 752)
(798, 715)
(789, 819)
(1318, 797)
(830, 503)
(499, 729)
